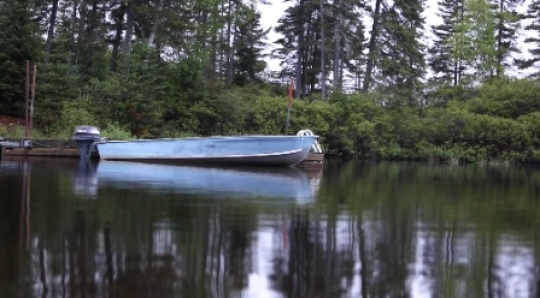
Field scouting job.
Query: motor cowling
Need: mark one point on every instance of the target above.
(86, 133)
(86, 136)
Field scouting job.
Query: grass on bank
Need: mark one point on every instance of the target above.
(112, 131)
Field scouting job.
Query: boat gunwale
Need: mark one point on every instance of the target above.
(199, 138)
(179, 157)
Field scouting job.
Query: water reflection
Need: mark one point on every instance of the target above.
(232, 182)
(85, 181)
(381, 230)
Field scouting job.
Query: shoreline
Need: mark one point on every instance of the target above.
(56, 148)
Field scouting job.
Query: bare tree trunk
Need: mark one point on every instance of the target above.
(74, 7)
(153, 31)
(203, 23)
(372, 46)
(341, 69)
(323, 53)
(313, 58)
(213, 56)
(230, 59)
(229, 70)
(337, 47)
(500, 45)
(83, 14)
(222, 45)
(92, 23)
(50, 31)
(129, 27)
(214, 42)
(118, 37)
(307, 59)
(299, 55)
(460, 61)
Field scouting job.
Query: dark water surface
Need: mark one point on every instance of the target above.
(353, 230)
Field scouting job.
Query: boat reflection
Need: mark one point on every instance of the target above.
(85, 182)
(230, 182)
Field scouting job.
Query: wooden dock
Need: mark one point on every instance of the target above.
(41, 148)
(312, 161)
(43, 152)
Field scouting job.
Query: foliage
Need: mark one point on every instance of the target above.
(147, 69)
(500, 122)
(446, 67)
(474, 40)
(18, 42)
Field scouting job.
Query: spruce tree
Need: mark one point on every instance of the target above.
(533, 39)
(373, 45)
(445, 68)
(507, 19)
(249, 44)
(299, 29)
(402, 60)
(348, 40)
(355, 56)
(302, 46)
(474, 41)
(19, 41)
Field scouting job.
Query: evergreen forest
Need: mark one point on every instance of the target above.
(373, 78)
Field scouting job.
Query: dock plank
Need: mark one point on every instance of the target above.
(53, 152)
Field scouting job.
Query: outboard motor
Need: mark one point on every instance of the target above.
(86, 136)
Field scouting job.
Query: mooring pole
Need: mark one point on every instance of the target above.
(31, 115)
(24, 232)
(289, 104)
(287, 124)
(26, 98)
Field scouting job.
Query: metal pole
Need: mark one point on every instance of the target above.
(24, 232)
(26, 98)
(323, 54)
(31, 116)
(289, 104)
(288, 116)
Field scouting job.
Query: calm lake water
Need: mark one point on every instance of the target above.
(354, 229)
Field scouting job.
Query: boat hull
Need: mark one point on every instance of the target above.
(252, 150)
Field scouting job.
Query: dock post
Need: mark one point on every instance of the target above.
(1, 147)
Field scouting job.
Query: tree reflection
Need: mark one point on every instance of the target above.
(380, 230)
(10, 227)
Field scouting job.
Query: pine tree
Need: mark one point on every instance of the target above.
(474, 41)
(373, 44)
(299, 48)
(19, 41)
(533, 39)
(302, 47)
(507, 24)
(446, 69)
(354, 52)
(249, 45)
(402, 61)
(90, 46)
(51, 26)
(348, 41)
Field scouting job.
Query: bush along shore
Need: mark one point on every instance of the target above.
(498, 121)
